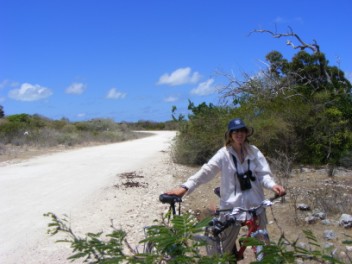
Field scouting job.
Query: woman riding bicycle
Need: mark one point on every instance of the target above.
(244, 173)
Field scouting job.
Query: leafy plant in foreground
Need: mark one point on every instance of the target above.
(92, 248)
(285, 251)
(177, 242)
(173, 242)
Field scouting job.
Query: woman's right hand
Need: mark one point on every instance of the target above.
(177, 191)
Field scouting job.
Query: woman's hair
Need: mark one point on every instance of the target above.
(228, 139)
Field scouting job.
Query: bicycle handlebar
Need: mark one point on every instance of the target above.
(265, 203)
(170, 199)
(221, 226)
(277, 196)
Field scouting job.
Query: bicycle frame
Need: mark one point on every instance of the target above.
(253, 228)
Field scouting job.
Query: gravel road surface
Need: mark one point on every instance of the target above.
(89, 186)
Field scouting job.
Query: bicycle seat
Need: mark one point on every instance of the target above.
(217, 191)
(170, 199)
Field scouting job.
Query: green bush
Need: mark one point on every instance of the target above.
(42, 132)
(202, 135)
(97, 125)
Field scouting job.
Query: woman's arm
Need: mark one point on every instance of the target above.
(204, 175)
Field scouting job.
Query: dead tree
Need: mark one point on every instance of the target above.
(303, 45)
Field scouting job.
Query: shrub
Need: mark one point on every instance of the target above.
(42, 132)
(176, 243)
(201, 136)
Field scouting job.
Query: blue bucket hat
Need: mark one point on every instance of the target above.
(238, 123)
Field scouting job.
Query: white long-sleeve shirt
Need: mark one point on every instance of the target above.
(231, 193)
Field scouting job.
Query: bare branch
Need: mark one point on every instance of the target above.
(303, 45)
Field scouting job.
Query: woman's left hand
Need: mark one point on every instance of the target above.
(279, 190)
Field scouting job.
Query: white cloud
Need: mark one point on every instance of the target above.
(205, 88)
(3, 84)
(282, 20)
(80, 115)
(7, 83)
(30, 92)
(114, 94)
(76, 88)
(299, 20)
(279, 20)
(170, 99)
(179, 76)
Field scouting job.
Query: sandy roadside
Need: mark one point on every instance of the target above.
(23, 237)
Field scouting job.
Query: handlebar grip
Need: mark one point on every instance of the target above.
(170, 199)
(277, 196)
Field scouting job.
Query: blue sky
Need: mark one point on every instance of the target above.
(132, 60)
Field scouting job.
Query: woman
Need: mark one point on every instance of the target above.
(244, 173)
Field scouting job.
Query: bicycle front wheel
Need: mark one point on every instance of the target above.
(149, 248)
(212, 244)
(261, 235)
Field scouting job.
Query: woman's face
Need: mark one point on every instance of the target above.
(239, 136)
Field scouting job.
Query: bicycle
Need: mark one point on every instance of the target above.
(214, 231)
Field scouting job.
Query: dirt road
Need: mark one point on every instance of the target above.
(81, 183)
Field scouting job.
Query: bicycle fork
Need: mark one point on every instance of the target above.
(251, 230)
(259, 234)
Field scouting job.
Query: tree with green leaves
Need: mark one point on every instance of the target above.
(2, 113)
(200, 137)
(302, 108)
(304, 105)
